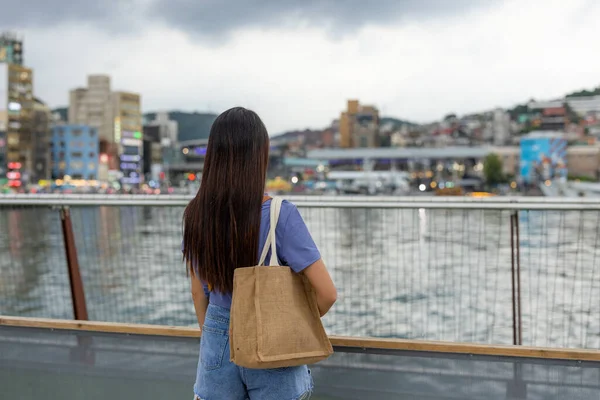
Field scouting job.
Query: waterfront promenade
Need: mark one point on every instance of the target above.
(496, 271)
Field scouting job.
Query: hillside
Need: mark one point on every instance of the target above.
(397, 123)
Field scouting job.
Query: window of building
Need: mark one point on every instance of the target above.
(62, 143)
(78, 165)
(76, 132)
(91, 177)
(91, 166)
(61, 155)
(92, 132)
(77, 176)
(364, 142)
(76, 154)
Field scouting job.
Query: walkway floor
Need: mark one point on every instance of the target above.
(46, 364)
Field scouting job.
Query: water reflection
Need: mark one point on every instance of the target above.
(431, 274)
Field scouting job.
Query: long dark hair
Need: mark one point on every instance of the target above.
(221, 224)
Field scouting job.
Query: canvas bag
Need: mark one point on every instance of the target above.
(274, 319)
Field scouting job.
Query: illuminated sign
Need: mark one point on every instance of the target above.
(126, 157)
(129, 166)
(131, 142)
(131, 134)
(117, 129)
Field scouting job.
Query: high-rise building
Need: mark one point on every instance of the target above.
(359, 126)
(118, 120)
(127, 119)
(160, 146)
(16, 123)
(11, 48)
(92, 106)
(40, 149)
(501, 127)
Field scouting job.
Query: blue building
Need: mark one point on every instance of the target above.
(74, 152)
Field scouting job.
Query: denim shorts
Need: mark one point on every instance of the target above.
(218, 378)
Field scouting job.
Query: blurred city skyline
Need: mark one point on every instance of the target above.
(296, 63)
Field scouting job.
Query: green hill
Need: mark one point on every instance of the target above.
(396, 122)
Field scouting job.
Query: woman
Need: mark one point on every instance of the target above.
(225, 225)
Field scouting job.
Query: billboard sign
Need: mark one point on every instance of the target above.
(543, 158)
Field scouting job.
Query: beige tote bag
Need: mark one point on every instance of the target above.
(274, 319)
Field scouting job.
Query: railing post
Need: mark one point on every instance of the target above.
(77, 293)
(515, 261)
(518, 262)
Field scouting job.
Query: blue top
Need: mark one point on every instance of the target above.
(295, 246)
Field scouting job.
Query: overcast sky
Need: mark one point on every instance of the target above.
(296, 62)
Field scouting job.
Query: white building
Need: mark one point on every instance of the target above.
(584, 105)
(501, 132)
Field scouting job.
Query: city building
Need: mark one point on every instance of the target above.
(40, 149)
(11, 48)
(92, 106)
(359, 126)
(160, 146)
(584, 105)
(501, 127)
(152, 158)
(168, 129)
(548, 115)
(16, 123)
(127, 119)
(118, 120)
(75, 151)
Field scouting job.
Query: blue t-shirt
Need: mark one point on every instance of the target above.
(295, 246)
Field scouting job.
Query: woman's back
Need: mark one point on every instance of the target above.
(295, 246)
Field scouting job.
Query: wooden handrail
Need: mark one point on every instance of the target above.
(337, 341)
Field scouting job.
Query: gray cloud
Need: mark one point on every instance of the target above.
(43, 13)
(218, 18)
(215, 17)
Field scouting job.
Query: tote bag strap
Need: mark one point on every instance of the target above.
(270, 242)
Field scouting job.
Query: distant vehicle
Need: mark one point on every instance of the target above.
(370, 182)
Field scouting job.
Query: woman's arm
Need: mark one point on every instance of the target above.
(319, 277)
(200, 300)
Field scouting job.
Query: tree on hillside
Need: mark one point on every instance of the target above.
(585, 93)
(450, 116)
(492, 169)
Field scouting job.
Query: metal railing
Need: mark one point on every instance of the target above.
(494, 270)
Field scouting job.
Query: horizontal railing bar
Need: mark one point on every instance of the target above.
(433, 202)
(337, 341)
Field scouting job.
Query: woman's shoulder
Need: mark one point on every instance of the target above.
(287, 209)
